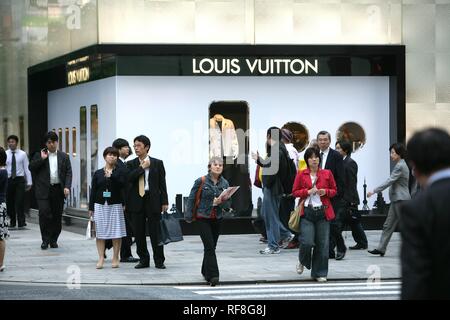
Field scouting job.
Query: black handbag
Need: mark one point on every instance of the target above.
(170, 229)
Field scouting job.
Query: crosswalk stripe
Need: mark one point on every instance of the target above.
(299, 289)
(305, 295)
(305, 285)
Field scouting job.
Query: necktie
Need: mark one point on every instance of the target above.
(13, 165)
(142, 185)
(321, 160)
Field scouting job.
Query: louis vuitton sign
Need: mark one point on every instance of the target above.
(255, 66)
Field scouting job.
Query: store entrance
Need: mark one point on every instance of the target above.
(228, 125)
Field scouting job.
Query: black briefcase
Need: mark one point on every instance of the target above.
(170, 229)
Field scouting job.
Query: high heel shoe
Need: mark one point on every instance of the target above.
(115, 265)
(99, 265)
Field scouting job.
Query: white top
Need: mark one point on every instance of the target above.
(53, 162)
(21, 165)
(313, 199)
(293, 153)
(324, 157)
(147, 171)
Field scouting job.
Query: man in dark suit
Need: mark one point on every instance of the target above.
(125, 249)
(351, 197)
(147, 198)
(425, 220)
(332, 160)
(52, 176)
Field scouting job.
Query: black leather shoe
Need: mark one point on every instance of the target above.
(141, 265)
(160, 266)
(340, 255)
(129, 259)
(44, 246)
(376, 251)
(358, 247)
(214, 281)
(53, 245)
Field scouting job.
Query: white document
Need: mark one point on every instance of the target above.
(226, 194)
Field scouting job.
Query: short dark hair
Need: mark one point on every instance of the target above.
(51, 135)
(110, 150)
(309, 153)
(399, 148)
(145, 140)
(14, 137)
(429, 150)
(119, 143)
(346, 146)
(322, 133)
(2, 157)
(276, 129)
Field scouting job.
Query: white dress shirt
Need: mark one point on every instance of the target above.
(147, 171)
(324, 158)
(53, 162)
(293, 153)
(21, 165)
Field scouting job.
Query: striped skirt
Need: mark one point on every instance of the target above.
(109, 221)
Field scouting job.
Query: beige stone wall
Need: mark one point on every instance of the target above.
(33, 31)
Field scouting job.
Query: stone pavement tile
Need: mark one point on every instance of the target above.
(238, 257)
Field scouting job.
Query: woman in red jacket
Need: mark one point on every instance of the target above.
(316, 186)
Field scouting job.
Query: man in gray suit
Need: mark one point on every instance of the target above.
(398, 192)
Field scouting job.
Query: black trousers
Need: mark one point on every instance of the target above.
(125, 249)
(336, 226)
(15, 200)
(50, 214)
(353, 219)
(209, 233)
(141, 220)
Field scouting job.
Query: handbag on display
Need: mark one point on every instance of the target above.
(294, 219)
(170, 229)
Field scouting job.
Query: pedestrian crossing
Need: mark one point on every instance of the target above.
(353, 290)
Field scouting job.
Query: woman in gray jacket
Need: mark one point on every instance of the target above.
(205, 207)
(398, 192)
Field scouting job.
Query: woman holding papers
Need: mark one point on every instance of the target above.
(205, 205)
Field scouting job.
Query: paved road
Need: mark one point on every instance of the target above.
(335, 290)
(338, 290)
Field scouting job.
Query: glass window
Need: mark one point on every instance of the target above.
(74, 141)
(94, 139)
(60, 139)
(83, 159)
(67, 140)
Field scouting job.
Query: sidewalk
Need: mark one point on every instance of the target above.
(238, 257)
